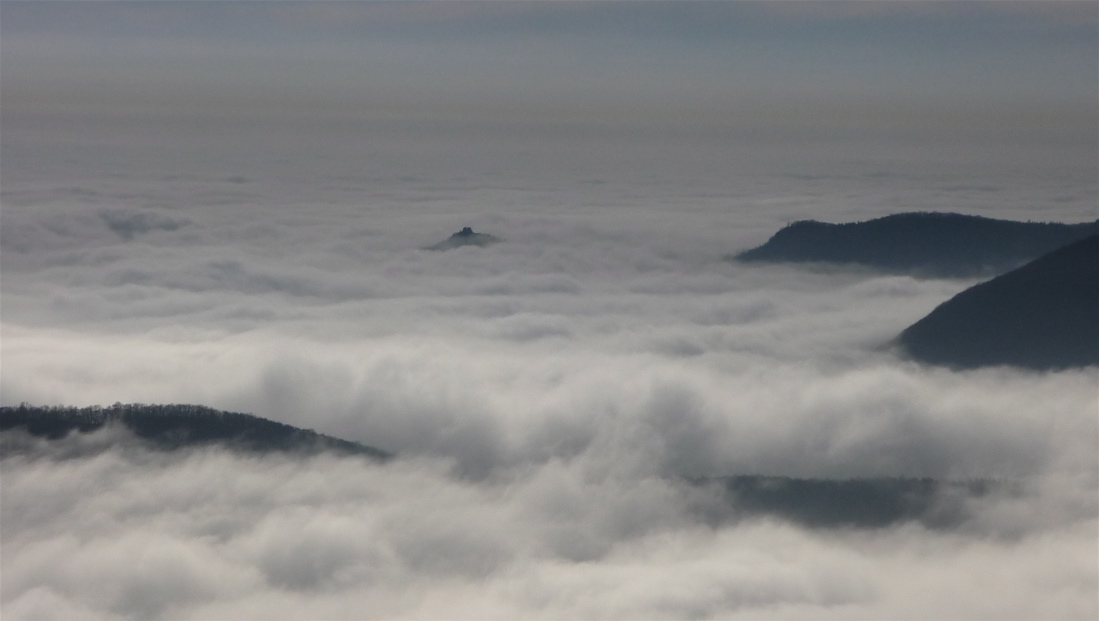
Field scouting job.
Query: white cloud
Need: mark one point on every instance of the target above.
(546, 394)
(171, 536)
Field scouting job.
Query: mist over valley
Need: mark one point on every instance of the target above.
(275, 213)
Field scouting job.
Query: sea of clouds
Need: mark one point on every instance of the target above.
(547, 397)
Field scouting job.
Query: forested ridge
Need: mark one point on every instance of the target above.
(817, 503)
(931, 244)
(861, 502)
(1044, 315)
(176, 426)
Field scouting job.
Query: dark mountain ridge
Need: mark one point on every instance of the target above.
(930, 244)
(1043, 315)
(465, 237)
(171, 427)
(858, 503)
(815, 503)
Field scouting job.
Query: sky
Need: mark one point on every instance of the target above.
(750, 66)
(227, 203)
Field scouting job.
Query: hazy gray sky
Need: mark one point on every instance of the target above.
(822, 66)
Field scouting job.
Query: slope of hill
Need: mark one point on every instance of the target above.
(815, 503)
(465, 237)
(176, 426)
(1044, 315)
(926, 244)
(858, 503)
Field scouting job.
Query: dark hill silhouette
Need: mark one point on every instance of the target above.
(1044, 315)
(465, 237)
(857, 503)
(816, 503)
(925, 244)
(177, 426)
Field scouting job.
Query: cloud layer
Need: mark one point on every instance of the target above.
(548, 395)
(129, 534)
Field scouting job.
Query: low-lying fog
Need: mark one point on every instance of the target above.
(546, 395)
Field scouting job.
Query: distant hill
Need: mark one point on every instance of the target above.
(817, 503)
(925, 244)
(857, 503)
(177, 426)
(465, 237)
(1044, 315)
